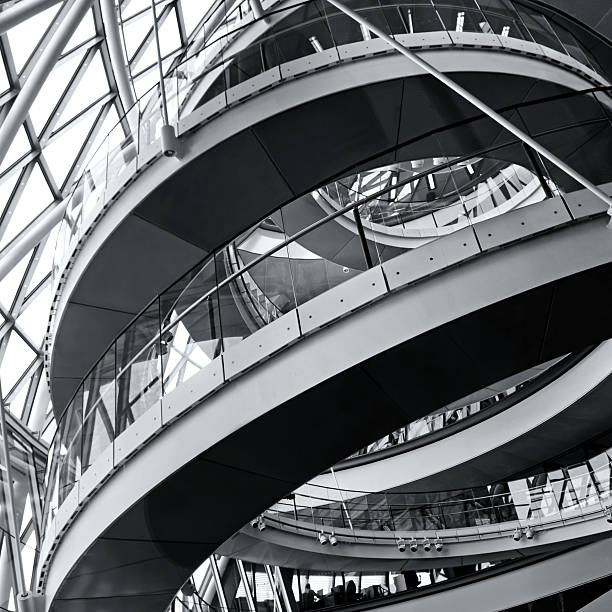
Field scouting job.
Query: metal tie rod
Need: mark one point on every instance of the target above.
(479, 104)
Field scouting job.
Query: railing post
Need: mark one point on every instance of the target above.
(362, 238)
(535, 163)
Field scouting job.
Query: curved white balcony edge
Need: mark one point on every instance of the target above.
(295, 544)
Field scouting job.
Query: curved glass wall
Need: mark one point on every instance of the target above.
(303, 29)
(278, 265)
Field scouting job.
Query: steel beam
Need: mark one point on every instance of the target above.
(115, 49)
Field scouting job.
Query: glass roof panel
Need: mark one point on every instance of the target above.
(11, 282)
(52, 90)
(92, 87)
(136, 30)
(85, 31)
(45, 259)
(35, 198)
(19, 147)
(17, 357)
(24, 38)
(6, 188)
(131, 7)
(33, 321)
(63, 150)
(4, 82)
(193, 12)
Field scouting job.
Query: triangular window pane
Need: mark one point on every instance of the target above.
(98, 149)
(92, 87)
(33, 321)
(6, 189)
(85, 31)
(135, 6)
(19, 147)
(63, 150)
(169, 36)
(136, 30)
(25, 37)
(10, 283)
(51, 91)
(17, 358)
(44, 264)
(193, 13)
(35, 198)
(4, 82)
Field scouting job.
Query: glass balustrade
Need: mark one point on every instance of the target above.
(579, 490)
(212, 68)
(300, 251)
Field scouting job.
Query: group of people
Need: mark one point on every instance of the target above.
(341, 594)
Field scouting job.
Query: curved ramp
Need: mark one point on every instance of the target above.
(152, 522)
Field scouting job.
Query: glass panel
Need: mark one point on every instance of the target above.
(540, 29)
(69, 464)
(191, 336)
(138, 368)
(99, 408)
(421, 18)
(325, 257)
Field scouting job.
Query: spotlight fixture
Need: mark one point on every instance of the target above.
(608, 514)
(438, 544)
(169, 141)
(322, 538)
(414, 545)
(518, 534)
(261, 525)
(254, 522)
(529, 533)
(333, 540)
(401, 544)
(426, 545)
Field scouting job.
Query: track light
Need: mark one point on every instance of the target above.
(333, 540)
(261, 525)
(438, 544)
(401, 544)
(426, 545)
(518, 534)
(529, 533)
(414, 545)
(608, 514)
(322, 538)
(254, 522)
